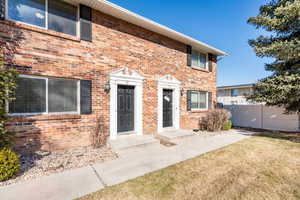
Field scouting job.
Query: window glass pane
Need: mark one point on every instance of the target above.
(62, 95)
(234, 92)
(198, 59)
(194, 100)
(195, 59)
(62, 17)
(203, 100)
(28, 11)
(202, 60)
(30, 96)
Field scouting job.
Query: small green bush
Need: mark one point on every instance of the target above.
(9, 164)
(227, 125)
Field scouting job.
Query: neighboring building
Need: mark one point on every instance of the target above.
(255, 115)
(234, 94)
(90, 66)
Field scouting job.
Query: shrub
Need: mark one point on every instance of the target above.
(227, 125)
(214, 120)
(9, 164)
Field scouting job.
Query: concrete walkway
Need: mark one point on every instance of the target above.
(132, 163)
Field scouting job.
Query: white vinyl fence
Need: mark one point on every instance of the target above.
(260, 116)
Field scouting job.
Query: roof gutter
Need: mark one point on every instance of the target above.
(236, 86)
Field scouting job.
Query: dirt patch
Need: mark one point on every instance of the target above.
(166, 143)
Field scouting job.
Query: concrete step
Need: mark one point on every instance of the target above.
(170, 134)
(132, 141)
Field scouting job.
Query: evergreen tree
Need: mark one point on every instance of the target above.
(282, 19)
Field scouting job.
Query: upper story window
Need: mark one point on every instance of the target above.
(54, 15)
(199, 60)
(28, 11)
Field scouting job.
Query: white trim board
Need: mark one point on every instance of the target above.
(126, 76)
(168, 82)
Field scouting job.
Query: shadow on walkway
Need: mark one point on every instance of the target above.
(290, 136)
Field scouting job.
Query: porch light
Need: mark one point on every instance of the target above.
(107, 87)
(182, 92)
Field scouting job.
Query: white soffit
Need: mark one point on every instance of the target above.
(121, 13)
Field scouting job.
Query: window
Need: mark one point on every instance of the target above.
(234, 92)
(245, 91)
(62, 17)
(199, 100)
(199, 59)
(28, 11)
(49, 14)
(62, 95)
(30, 96)
(38, 95)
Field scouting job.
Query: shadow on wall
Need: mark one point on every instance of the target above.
(27, 141)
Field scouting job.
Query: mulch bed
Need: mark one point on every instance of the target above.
(43, 163)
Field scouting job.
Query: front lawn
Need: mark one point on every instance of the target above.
(262, 167)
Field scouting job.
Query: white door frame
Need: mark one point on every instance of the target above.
(168, 82)
(126, 76)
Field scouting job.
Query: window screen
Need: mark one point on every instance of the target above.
(194, 100)
(203, 100)
(62, 95)
(85, 30)
(28, 11)
(199, 59)
(62, 17)
(198, 100)
(30, 96)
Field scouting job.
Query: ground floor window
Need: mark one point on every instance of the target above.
(40, 95)
(199, 100)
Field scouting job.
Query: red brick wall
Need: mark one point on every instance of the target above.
(115, 44)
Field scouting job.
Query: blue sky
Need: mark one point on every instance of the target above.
(220, 23)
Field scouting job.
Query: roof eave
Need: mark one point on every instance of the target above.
(237, 86)
(122, 13)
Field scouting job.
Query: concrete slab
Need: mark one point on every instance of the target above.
(176, 134)
(132, 163)
(67, 185)
(130, 141)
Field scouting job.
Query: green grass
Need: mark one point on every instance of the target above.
(266, 166)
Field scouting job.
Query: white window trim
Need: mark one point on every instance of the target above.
(46, 19)
(206, 63)
(47, 107)
(200, 109)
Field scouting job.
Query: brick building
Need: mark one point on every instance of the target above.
(89, 66)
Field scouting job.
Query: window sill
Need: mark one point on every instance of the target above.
(199, 69)
(44, 117)
(40, 30)
(199, 111)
